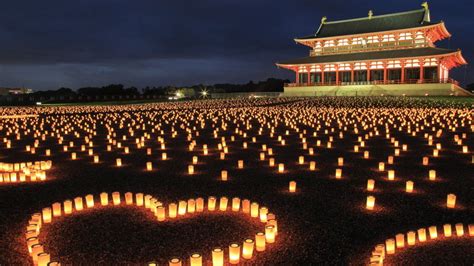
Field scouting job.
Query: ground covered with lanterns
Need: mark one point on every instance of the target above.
(282, 181)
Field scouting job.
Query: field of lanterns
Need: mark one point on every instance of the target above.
(278, 181)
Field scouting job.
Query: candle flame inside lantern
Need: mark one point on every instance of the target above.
(411, 238)
(292, 186)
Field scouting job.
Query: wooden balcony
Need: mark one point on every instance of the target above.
(373, 82)
(368, 47)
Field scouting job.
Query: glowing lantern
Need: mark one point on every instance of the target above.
(30, 242)
(390, 159)
(190, 169)
(149, 166)
(129, 198)
(459, 229)
(447, 230)
(89, 201)
(43, 259)
(164, 156)
(199, 204)
(175, 262)
(381, 166)
(465, 149)
(234, 253)
(366, 154)
(96, 158)
(247, 249)
(411, 238)
(78, 203)
(235, 204)
(223, 204)
(422, 234)
(260, 242)
(211, 204)
(425, 160)
(217, 257)
(254, 210)
(73, 156)
(391, 174)
(47, 215)
(160, 213)
(191, 205)
(471, 230)
(139, 199)
(104, 199)
(301, 159)
(56, 209)
(263, 214)
(269, 234)
(370, 202)
(409, 186)
(240, 164)
(340, 161)
(224, 175)
(435, 153)
(271, 162)
(292, 187)
(338, 173)
(281, 168)
(433, 232)
(118, 162)
(432, 175)
(246, 206)
(312, 165)
(172, 210)
(451, 201)
(195, 259)
(370, 185)
(400, 240)
(116, 198)
(67, 207)
(262, 156)
(195, 159)
(390, 246)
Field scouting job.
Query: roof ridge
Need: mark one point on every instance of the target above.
(374, 17)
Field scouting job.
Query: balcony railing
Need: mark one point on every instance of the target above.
(373, 82)
(355, 48)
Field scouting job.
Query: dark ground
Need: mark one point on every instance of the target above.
(324, 223)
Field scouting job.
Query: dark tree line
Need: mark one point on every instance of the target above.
(269, 85)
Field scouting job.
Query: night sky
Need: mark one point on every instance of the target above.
(55, 43)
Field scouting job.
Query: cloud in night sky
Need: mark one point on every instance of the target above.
(49, 44)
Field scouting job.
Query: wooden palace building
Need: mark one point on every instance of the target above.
(392, 54)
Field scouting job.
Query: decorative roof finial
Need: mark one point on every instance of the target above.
(425, 5)
(371, 13)
(323, 20)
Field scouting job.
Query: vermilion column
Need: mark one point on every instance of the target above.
(403, 72)
(422, 74)
(297, 77)
(322, 75)
(368, 74)
(385, 72)
(352, 73)
(337, 75)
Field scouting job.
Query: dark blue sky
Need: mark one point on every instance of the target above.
(54, 43)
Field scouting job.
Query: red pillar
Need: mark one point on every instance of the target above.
(422, 74)
(322, 75)
(337, 75)
(403, 72)
(297, 77)
(352, 73)
(368, 74)
(384, 72)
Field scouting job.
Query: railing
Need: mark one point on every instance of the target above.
(373, 82)
(343, 49)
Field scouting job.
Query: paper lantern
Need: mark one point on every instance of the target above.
(422, 234)
(73, 156)
(116, 198)
(425, 160)
(224, 175)
(390, 159)
(311, 150)
(217, 257)
(190, 169)
(281, 168)
(246, 206)
(104, 199)
(175, 262)
(451, 201)
(199, 204)
(263, 214)
(191, 205)
(195, 159)
(47, 215)
(172, 210)
(164, 156)
(254, 210)
(340, 161)
(432, 175)
(96, 158)
(35, 250)
(390, 246)
(234, 253)
(235, 204)
(48, 152)
(30, 242)
(222, 156)
(435, 153)
(312, 165)
(338, 173)
(366, 154)
(78, 204)
(211, 204)
(247, 249)
(465, 149)
(149, 166)
(370, 203)
(292, 187)
(409, 186)
(471, 230)
(400, 240)
(195, 259)
(271, 162)
(67, 207)
(370, 185)
(411, 238)
(129, 198)
(89, 201)
(118, 162)
(381, 166)
(301, 159)
(139, 199)
(160, 213)
(240, 164)
(447, 230)
(43, 259)
(433, 232)
(260, 242)
(269, 234)
(459, 229)
(56, 209)
(391, 174)
(223, 204)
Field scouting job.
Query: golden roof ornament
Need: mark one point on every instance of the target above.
(323, 20)
(371, 13)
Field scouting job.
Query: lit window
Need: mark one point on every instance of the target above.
(359, 40)
(329, 43)
(373, 39)
(360, 66)
(376, 65)
(316, 68)
(405, 36)
(430, 62)
(412, 63)
(330, 67)
(394, 64)
(343, 42)
(388, 38)
(343, 67)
